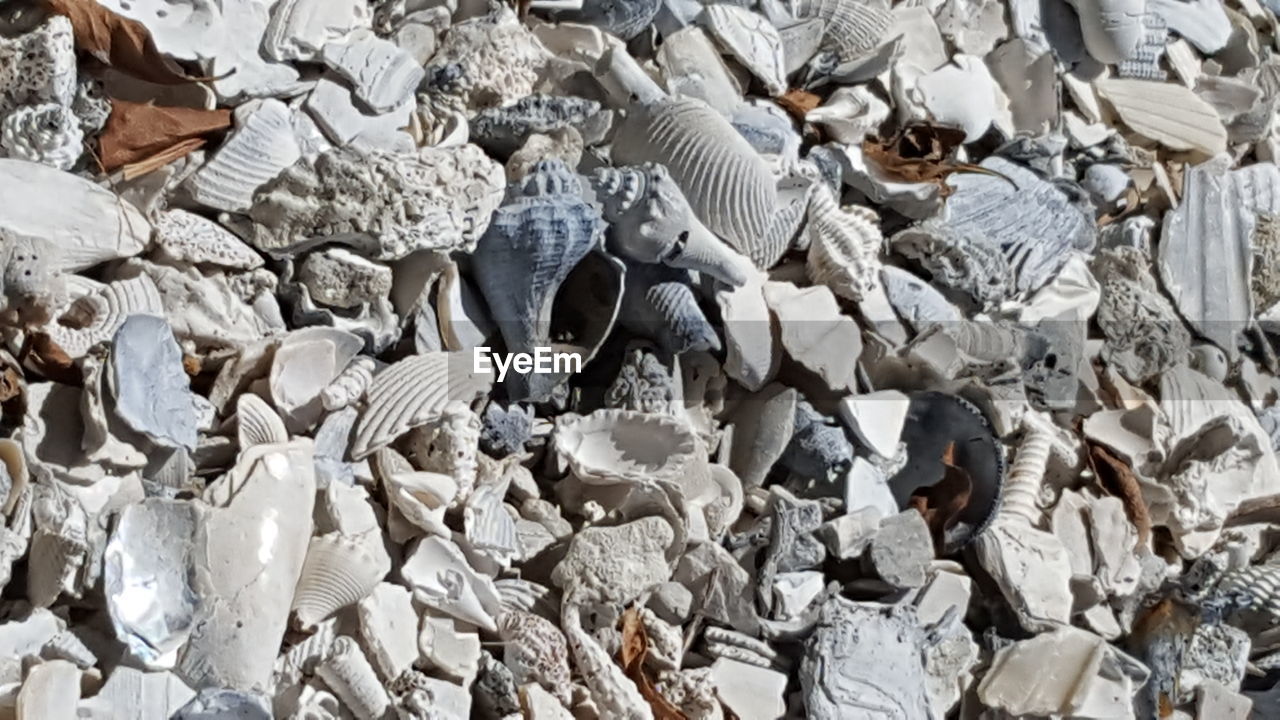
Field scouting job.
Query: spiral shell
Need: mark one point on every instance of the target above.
(843, 247)
(350, 385)
(96, 316)
(339, 570)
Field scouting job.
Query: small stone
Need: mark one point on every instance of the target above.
(877, 419)
(672, 602)
(849, 535)
(902, 549)
(1215, 701)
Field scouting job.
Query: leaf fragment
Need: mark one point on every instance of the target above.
(942, 503)
(120, 42)
(138, 131)
(635, 646)
(1118, 479)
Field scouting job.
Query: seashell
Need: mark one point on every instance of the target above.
(621, 446)
(624, 18)
(520, 595)
(348, 673)
(643, 384)
(1144, 336)
(1143, 63)
(488, 61)
(489, 529)
(339, 571)
(844, 246)
(389, 628)
(257, 423)
(383, 75)
(659, 303)
(38, 66)
(535, 650)
(462, 316)
(59, 546)
(731, 644)
(850, 114)
(1144, 107)
(305, 363)
(752, 40)
(151, 387)
(534, 240)
(411, 393)
(422, 497)
(16, 476)
(853, 28)
(1112, 29)
(349, 387)
(46, 134)
(339, 278)
(651, 221)
(50, 689)
(503, 130)
(189, 238)
(616, 564)
(86, 224)
(916, 301)
(300, 29)
(814, 332)
(344, 121)
(451, 447)
(614, 694)
(262, 146)
(442, 578)
(443, 199)
(301, 659)
(728, 184)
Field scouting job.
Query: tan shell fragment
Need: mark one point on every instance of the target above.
(414, 392)
(1169, 113)
(844, 246)
(727, 183)
(340, 570)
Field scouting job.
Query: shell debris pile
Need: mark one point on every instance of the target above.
(639, 359)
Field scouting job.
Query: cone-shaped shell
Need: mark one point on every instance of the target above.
(340, 570)
(727, 183)
(613, 446)
(652, 222)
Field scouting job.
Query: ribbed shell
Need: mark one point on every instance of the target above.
(414, 392)
(687, 327)
(1256, 587)
(340, 570)
(534, 240)
(259, 150)
(301, 659)
(258, 424)
(489, 528)
(726, 182)
(614, 693)
(844, 246)
(105, 311)
(1025, 475)
(752, 40)
(350, 385)
(348, 673)
(854, 28)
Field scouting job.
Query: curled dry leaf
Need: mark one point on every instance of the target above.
(942, 502)
(136, 132)
(920, 154)
(119, 42)
(1118, 479)
(635, 645)
(51, 360)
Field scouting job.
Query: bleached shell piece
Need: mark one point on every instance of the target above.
(345, 122)
(728, 185)
(1206, 25)
(389, 627)
(414, 392)
(262, 145)
(390, 204)
(691, 65)
(622, 446)
(183, 236)
(489, 528)
(152, 390)
(463, 320)
(844, 246)
(963, 94)
(99, 315)
(51, 689)
(624, 18)
(612, 691)
(1112, 29)
(305, 363)
(753, 40)
(753, 356)
(349, 387)
(1168, 113)
(815, 333)
(339, 571)
(1144, 334)
(299, 29)
(87, 224)
(383, 75)
(536, 651)
(348, 673)
(442, 578)
(853, 28)
(257, 423)
(850, 114)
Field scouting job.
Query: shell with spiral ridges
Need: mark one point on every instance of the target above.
(844, 246)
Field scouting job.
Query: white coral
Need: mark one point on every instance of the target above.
(48, 134)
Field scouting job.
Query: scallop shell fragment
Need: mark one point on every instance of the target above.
(339, 571)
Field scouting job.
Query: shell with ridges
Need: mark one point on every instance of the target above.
(95, 317)
(728, 185)
(257, 423)
(451, 447)
(339, 571)
(349, 387)
(660, 304)
(844, 246)
(752, 40)
(614, 693)
(490, 530)
(348, 673)
(854, 28)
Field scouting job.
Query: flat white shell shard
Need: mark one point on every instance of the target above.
(728, 185)
(306, 362)
(442, 578)
(152, 391)
(389, 626)
(814, 332)
(850, 114)
(344, 120)
(691, 67)
(915, 300)
(1206, 249)
(490, 529)
(1112, 29)
(752, 40)
(186, 30)
(615, 446)
(339, 571)
(85, 223)
(964, 95)
(96, 316)
(443, 198)
(183, 236)
(384, 76)
(844, 246)
(753, 356)
(414, 392)
(1168, 113)
(300, 28)
(262, 145)
(1204, 24)
(877, 419)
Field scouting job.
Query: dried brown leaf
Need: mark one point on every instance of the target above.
(136, 132)
(942, 503)
(52, 361)
(635, 646)
(119, 42)
(798, 102)
(10, 384)
(1118, 479)
(922, 154)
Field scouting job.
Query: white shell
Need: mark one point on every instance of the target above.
(441, 577)
(384, 76)
(300, 28)
(815, 333)
(728, 185)
(257, 423)
(490, 529)
(622, 446)
(47, 134)
(1169, 113)
(348, 673)
(752, 40)
(339, 571)
(96, 317)
(854, 28)
(414, 392)
(306, 362)
(263, 144)
(349, 387)
(844, 246)
(850, 114)
(186, 237)
(51, 689)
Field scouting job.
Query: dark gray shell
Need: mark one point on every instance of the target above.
(503, 130)
(624, 18)
(660, 304)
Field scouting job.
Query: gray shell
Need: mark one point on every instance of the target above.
(503, 130)
(533, 242)
(624, 18)
(152, 390)
(819, 449)
(854, 28)
(727, 183)
(660, 304)
(505, 431)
